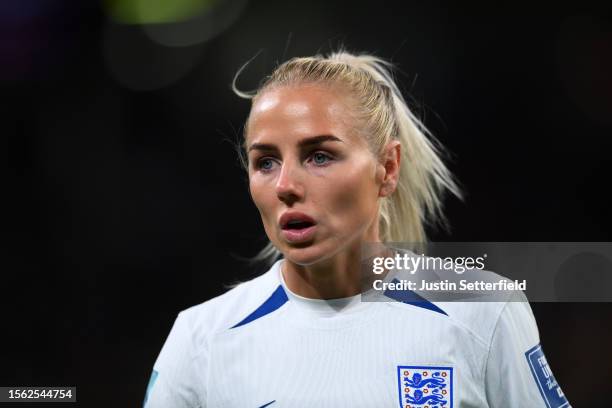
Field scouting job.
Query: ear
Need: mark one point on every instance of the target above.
(390, 167)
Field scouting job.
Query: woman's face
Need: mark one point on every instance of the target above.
(311, 175)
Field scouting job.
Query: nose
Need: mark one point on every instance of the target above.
(289, 187)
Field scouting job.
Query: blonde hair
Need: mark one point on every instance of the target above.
(423, 179)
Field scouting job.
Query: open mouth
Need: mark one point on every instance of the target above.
(297, 225)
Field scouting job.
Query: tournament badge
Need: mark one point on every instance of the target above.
(425, 387)
(544, 378)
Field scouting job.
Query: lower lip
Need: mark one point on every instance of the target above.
(301, 235)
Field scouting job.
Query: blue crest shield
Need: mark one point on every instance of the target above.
(425, 386)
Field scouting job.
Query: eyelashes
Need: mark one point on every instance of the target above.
(265, 164)
(318, 158)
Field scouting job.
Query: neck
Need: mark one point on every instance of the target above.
(332, 278)
(335, 277)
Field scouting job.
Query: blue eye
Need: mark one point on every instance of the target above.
(265, 164)
(320, 158)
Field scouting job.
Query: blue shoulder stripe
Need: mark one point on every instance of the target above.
(411, 298)
(276, 300)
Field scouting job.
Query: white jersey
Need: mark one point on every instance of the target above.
(260, 345)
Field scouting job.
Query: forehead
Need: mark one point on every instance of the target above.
(307, 109)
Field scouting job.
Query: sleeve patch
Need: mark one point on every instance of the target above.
(150, 386)
(544, 378)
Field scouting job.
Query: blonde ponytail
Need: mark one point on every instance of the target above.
(424, 178)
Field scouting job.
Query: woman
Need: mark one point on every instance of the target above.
(336, 160)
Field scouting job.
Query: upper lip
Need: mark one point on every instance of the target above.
(289, 216)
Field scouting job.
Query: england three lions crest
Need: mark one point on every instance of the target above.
(425, 386)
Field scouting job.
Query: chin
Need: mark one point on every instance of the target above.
(305, 255)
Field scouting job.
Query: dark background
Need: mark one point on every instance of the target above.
(125, 202)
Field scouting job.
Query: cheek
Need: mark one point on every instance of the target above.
(260, 194)
(352, 196)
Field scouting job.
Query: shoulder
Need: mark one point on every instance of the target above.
(479, 313)
(182, 363)
(229, 309)
(484, 314)
(483, 319)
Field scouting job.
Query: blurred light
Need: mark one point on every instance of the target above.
(152, 44)
(209, 23)
(155, 11)
(141, 65)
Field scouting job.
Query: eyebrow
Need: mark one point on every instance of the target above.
(302, 143)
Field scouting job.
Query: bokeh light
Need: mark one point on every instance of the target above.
(210, 22)
(142, 65)
(155, 11)
(150, 45)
